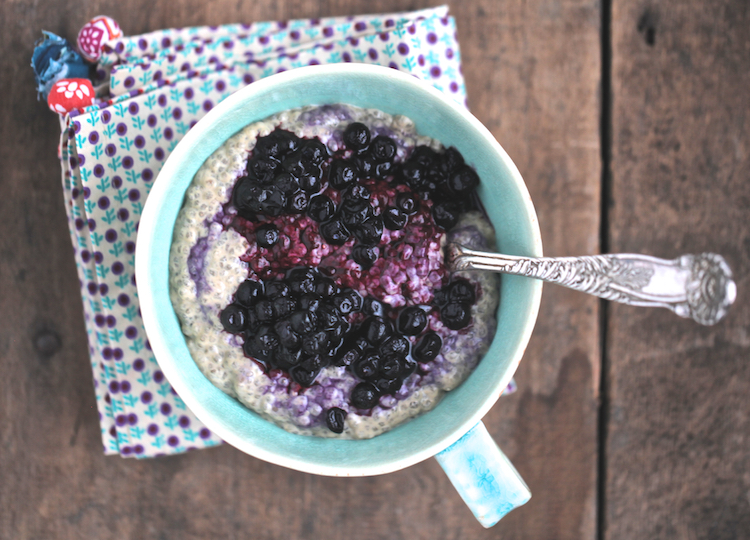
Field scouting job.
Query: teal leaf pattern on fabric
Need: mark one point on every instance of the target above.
(115, 334)
(109, 216)
(123, 369)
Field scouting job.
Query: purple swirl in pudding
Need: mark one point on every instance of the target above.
(307, 271)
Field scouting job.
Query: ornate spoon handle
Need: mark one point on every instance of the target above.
(693, 286)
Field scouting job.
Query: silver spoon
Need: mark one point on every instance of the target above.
(693, 286)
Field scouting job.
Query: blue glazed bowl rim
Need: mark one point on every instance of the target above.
(508, 205)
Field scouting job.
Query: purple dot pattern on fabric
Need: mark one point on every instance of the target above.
(113, 153)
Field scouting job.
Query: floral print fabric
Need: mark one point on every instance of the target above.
(151, 90)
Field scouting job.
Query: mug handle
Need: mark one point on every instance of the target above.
(483, 476)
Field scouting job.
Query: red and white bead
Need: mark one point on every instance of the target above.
(70, 94)
(95, 34)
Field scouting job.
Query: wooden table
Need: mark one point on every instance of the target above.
(630, 122)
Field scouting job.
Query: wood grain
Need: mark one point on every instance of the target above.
(533, 75)
(677, 451)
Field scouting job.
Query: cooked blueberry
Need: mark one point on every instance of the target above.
(436, 180)
(266, 342)
(370, 232)
(248, 291)
(424, 155)
(364, 396)
(267, 337)
(267, 146)
(414, 176)
(331, 351)
(428, 347)
(233, 318)
(411, 321)
(366, 165)
(301, 280)
(347, 355)
(272, 201)
(358, 192)
(375, 330)
(365, 256)
(262, 169)
(339, 330)
(409, 366)
(389, 386)
(277, 288)
(326, 287)
(368, 366)
(310, 302)
(462, 291)
(394, 219)
(441, 296)
(407, 203)
(251, 349)
(302, 376)
(452, 160)
(335, 419)
(287, 336)
(285, 358)
(267, 235)
(297, 202)
(383, 170)
(246, 196)
(360, 341)
(303, 322)
(264, 311)
(355, 212)
(455, 316)
(395, 346)
(390, 366)
(356, 136)
(383, 148)
(348, 300)
(463, 180)
(321, 208)
(286, 183)
(315, 343)
(314, 151)
(446, 214)
(310, 180)
(252, 323)
(277, 143)
(327, 316)
(342, 174)
(373, 306)
(296, 164)
(334, 232)
(315, 362)
(283, 306)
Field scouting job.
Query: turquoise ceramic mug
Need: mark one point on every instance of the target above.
(452, 432)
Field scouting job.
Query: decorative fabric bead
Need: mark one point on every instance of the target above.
(70, 94)
(95, 34)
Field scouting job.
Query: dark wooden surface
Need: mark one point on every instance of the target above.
(659, 451)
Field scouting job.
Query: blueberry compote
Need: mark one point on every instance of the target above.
(307, 271)
(303, 322)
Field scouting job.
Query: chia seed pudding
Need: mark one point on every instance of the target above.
(307, 271)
